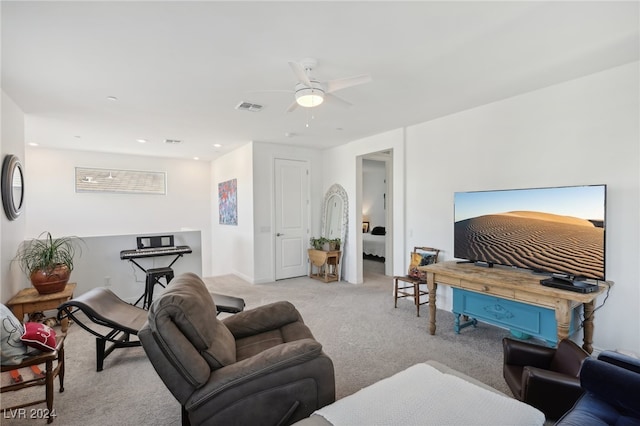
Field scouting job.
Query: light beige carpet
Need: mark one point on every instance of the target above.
(358, 326)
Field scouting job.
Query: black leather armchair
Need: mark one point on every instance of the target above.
(260, 367)
(546, 378)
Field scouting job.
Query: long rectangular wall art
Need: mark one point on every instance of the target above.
(120, 181)
(228, 202)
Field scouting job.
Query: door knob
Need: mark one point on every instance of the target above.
(279, 234)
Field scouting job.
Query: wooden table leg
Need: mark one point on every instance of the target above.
(64, 324)
(587, 340)
(433, 287)
(563, 319)
(18, 311)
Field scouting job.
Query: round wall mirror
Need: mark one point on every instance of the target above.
(12, 186)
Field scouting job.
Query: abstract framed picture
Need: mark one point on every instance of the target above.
(228, 202)
(90, 179)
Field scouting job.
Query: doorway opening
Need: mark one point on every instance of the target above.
(377, 208)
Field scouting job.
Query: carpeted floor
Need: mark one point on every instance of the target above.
(358, 326)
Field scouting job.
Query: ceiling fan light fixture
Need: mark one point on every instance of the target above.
(309, 97)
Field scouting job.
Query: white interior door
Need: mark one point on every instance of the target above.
(291, 217)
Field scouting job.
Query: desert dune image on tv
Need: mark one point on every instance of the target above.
(554, 230)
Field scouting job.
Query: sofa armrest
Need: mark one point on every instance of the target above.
(621, 360)
(248, 370)
(524, 354)
(261, 319)
(615, 385)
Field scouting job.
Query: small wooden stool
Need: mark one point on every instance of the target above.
(153, 277)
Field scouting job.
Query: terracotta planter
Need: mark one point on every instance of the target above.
(48, 281)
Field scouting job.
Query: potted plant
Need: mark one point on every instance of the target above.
(318, 243)
(48, 261)
(325, 244)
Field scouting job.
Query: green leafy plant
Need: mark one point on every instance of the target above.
(317, 243)
(48, 252)
(325, 243)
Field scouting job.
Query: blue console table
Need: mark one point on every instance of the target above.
(514, 297)
(520, 318)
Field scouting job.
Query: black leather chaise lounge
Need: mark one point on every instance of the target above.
(113, 320)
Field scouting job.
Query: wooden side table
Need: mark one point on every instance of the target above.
(28, 300)
(327, 264)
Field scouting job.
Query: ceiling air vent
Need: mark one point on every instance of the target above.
(172, 141)
(248, 106)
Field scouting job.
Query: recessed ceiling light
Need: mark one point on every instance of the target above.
(141, 140)
(217, 145)
(196, 158)
(112, 98)
(32, 144)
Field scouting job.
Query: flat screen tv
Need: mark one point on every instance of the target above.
(557, 230)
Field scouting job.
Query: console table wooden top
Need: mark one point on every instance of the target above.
(513, 284)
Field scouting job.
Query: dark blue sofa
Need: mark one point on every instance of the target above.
(612, 392)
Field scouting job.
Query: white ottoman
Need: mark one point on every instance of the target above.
(426, 394)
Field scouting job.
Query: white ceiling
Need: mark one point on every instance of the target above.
(179, 68)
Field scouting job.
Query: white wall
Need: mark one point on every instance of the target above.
(585, 131)
(233, 244)
(53, 205)
(11, 232)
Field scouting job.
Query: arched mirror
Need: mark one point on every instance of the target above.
(335, 215)
(12, 186)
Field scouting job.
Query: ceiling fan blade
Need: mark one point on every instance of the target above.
(300, 73)
(293, 106)
(329, 97)
(343, 83)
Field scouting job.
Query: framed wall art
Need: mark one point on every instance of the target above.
(228, 202)
(120, 181)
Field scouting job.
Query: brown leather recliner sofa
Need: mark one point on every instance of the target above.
(546, 378)
(259, 367)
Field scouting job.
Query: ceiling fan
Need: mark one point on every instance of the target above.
(309, 92)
